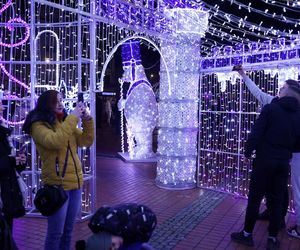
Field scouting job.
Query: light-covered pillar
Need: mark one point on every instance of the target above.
(178, 105)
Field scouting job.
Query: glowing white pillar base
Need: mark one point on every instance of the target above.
(125, 157)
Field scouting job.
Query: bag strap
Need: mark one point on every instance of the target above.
(65, 164)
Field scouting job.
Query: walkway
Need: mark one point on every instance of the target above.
(190, 219)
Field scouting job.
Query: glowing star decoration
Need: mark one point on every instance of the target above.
(140, 107)
(223, 78)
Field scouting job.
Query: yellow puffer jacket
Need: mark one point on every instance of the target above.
(52, 142)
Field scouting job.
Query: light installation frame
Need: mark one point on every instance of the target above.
(265, 73)
(95, 18)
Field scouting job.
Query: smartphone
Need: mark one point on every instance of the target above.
(23, 149)
(80, 97)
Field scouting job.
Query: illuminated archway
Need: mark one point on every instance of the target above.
(111, 54)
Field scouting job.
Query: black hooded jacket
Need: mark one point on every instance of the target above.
(10, 191)
(276, 132)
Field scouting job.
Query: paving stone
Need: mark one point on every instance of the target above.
(186, 219)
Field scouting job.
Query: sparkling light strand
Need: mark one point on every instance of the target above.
(122, 118)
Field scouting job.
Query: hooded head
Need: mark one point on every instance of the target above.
(290, 88)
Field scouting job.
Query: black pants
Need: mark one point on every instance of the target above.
(10, 223)
(285, 204)
(268, 178)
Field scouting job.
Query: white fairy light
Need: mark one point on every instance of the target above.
(178, 112)
(223, 78)
(140, 107)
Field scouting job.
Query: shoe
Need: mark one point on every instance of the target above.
(239, 237)
(292, 231)
(265, 215)
(272, 244)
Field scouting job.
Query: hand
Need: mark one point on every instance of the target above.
(21, 159)
(86, 115)
(239, 68)
(78, 111)
(121, 104)
(116, 242)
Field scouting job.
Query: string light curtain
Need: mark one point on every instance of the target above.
(178, 106)
(45, 47)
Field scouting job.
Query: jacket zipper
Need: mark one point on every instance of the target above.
(78, 182)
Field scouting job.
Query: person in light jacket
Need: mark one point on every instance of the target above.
(57, 140)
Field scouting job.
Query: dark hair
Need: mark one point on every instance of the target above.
(43, 111)
(293, 85)
(291, 82)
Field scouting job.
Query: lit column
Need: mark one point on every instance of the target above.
(178, 106)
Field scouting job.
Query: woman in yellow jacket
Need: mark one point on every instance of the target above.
(56, 141)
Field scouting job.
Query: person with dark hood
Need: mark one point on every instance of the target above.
(11, 199)
(127, 226)
(57, 139)
(264, 98)
(273, 138)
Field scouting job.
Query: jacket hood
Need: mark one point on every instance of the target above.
(288, 103)
(4, 131)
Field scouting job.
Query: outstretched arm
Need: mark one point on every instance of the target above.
(263, 98)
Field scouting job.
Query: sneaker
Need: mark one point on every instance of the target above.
(292, 231)
(241, 238)
(265, 215)
(272, 244)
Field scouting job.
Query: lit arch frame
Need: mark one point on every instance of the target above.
(56, 59)
(111, 54)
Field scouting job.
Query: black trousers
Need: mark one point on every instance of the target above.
(10, 223)
(268, 178)
(285, 203)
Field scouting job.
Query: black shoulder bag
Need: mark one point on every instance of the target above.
(50, 198)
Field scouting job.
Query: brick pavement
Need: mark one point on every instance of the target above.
(119, 182)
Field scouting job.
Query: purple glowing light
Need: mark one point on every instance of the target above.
(5, 6)
(11, 77)
(10, 28)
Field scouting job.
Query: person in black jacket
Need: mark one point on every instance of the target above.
(273, 138)
(127, 226)
(11, 202)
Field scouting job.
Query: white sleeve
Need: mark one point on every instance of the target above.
(263, 98)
